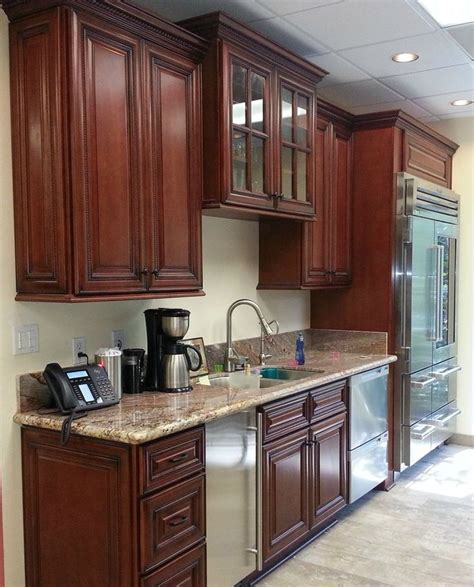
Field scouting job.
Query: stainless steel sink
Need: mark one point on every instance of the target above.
(224, 381)
(281, 374)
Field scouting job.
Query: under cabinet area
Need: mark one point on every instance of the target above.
(259, 119)
(107, 176)
(317, 254)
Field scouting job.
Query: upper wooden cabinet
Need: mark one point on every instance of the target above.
(259, 119)
(107, 146)
(316, 254)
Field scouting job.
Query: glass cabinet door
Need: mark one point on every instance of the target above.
(250, 156)
(296, 149)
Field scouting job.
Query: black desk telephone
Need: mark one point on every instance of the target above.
(76, 390)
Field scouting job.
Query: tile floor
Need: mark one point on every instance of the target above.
(419, 533)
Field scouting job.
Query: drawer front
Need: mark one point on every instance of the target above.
(444, 388)
(285, 416)
(328, 400)
(188, 570)
(417, 441)
(444, 421)
(171, 459)
(172, 521)
(417, 394)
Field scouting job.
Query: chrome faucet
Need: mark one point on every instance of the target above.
(232, 359)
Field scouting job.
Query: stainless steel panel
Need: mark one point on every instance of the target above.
(231, 482)
(368, 466)
(417, 396)
(445, 386)
(444, 422)
(416, 441)
(423, 294)
(368, 406)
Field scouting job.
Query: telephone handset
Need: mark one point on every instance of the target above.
(78, 389)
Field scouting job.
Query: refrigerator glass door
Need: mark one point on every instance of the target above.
(444, 345)
(421, 303)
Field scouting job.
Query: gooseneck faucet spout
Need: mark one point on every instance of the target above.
(232, 359)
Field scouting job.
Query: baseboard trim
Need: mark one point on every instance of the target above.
(462, 439)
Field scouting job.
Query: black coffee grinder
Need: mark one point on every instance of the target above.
(164, 327)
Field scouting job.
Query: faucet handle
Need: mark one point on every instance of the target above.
(277, 326)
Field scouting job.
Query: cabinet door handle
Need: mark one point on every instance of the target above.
(179, 458)
(178, 521)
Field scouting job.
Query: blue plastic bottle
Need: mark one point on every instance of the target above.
(299, 354)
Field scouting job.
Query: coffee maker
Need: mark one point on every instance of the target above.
(169, 361)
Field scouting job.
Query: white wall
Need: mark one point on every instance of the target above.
(230, 272)
(461, 130)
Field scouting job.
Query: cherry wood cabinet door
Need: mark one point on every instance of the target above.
(295, 131)
(248, 167)
(316, 235)
(284, 493)
(329, 466)
(188, 570)
(341, 202)
(107, 202)
(172, 149)
(41, 241)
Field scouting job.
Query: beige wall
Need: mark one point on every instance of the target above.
(230, 272)
(461, 130)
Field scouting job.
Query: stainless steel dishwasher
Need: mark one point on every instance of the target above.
(232, 478)
(368, 436)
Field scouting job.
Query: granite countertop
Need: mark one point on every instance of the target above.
(150, 415)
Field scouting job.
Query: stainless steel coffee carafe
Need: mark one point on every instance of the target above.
(176, 365)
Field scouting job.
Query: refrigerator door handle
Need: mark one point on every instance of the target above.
(406, 296)
(438, 294)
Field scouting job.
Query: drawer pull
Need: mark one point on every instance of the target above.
(424, 382)
(447, 372)
(179, 458)
(178, 521)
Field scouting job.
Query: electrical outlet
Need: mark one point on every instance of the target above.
(78, 346)
(118, 339)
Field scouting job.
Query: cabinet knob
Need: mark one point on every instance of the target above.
(155, 272)
(145, 271)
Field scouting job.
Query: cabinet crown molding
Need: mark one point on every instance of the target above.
(221, 25)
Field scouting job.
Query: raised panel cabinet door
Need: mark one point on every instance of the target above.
(188, 570)
(107, 203)
(285, 512)
(247, 140)
(328, 466)
(41, 198)
(316, 234)
(341, 203)
(425, 159)
(295, 160)
(79, 528)
(172, 149)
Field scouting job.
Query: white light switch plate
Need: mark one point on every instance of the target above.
(118, 339)
(25, 339)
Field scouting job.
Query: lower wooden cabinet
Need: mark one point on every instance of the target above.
(188, 570)
(304, 480)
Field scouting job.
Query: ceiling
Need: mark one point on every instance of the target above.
(354, 40)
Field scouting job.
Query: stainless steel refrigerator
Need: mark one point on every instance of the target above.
(425, 306)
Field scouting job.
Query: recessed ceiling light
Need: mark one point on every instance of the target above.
(405, 57)
(449, 13)
(463, 102)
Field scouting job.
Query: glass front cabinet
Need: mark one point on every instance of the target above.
(259, 110)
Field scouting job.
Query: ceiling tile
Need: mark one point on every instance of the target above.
(244, 10)
(341, 71)
(405, 105)
(435, 50)
(282, 7)
(289, 36)
(361, 22)
(464, 35)
(441, 104)
(433, 82)
(359, 94)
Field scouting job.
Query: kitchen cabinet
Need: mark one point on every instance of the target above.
(107, 153)
(313, 255)
(304, 464)
(137, 514)
(259, 118)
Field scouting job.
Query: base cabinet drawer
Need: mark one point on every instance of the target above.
(188, 570)
(171, 521)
